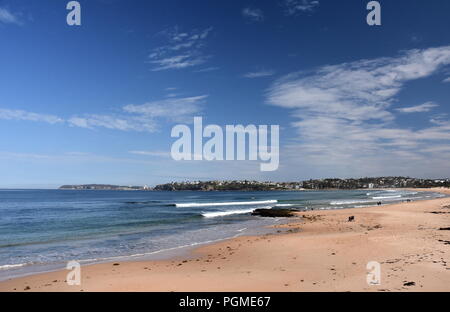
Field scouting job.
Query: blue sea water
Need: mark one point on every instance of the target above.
(44, 229)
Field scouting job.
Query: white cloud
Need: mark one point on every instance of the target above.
(10, 114)
(128, 123)
(259, 74)
(357, 91)
(146, 117)
(422, 108)
(183, 50)
(207, 69)
(178, 61)
(173, 109)
(439, 119)
(446, 80)
(70, 157)
(151, 153)
(253, 14)
(293, 7)
(7, 17)
(343, 115)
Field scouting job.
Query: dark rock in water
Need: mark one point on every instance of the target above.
(274, 213)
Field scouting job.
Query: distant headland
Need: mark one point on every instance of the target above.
(245, 185)
(107, 187)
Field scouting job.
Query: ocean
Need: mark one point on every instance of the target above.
(41, 230)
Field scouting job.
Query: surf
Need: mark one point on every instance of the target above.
(216, 214)
(387, 197)
(246, 203)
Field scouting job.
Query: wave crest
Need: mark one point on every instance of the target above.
(188, 205)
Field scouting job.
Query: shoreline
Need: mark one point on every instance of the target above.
(322, 252)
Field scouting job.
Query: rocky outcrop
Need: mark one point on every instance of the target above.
(274, 213)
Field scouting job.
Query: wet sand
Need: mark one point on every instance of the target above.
(317, 251)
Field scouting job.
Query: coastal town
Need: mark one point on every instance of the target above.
(246, 185)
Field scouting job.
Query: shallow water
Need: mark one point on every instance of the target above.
(44, 229)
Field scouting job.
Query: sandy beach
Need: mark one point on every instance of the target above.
(317, 251)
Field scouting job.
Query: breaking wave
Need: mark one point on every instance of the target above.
(387, 197)
(188, 205)
(226, 213)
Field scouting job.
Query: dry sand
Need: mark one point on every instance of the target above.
(321, 252)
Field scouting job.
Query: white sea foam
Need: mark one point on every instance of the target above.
(374, 193)
(12, 266)
(350, 202)
(188, 205)
(226, 213)
(387, 197)
(284, 205)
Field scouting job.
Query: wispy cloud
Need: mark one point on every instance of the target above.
(126, 123)
(173, 109)
(151, 153)
(293, 7)
(183, 50)
(207, 69)
(145, 117)
(343, 112)
(360, 90)
(446, 80)
(10, 114)
(422, 108)
(253, 14)
(73, 157)
(7, 17)
(259, 74)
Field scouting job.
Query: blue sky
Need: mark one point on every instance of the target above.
(96, 103)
